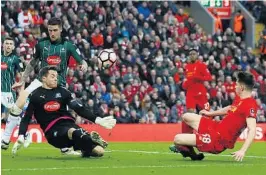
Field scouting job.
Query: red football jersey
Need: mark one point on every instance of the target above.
(196, 74)
(235, 121)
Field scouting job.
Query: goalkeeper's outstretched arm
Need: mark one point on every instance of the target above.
(82, 111)
(107, 122)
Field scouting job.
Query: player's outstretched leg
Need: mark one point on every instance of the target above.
(17, 108)
(14, 115)
(83, 141)
(11, 123)
(183, 144)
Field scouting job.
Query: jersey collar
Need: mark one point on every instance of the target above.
(60, 40)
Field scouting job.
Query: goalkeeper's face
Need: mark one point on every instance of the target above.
(50, 80)
(193, 56)
(54, 32)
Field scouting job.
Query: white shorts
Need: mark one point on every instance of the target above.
(7, 99)
(33, 85)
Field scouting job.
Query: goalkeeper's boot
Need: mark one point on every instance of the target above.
(70, 152)
(4, 145)
(186, 152)
(96, 138)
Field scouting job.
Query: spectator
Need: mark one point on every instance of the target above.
(239, 24)
(143, 9)
(263, 46)
(97, 38)
(181, 16)
(134, 116)
(24, 17)
(218, 21)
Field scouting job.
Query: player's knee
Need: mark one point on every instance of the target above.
(15, 110)
(70, 133)
(178, 140)
(189, 117)
(185, 117)
(98, 150)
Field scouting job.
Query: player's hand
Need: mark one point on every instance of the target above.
(238, 155)
(19, 143)
(18, 85)
(204, 112)
(106, 122)
(83, 68)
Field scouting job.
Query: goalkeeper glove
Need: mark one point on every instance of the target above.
(106, 122)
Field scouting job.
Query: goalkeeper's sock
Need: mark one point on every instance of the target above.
(186, 128)
(11, 123)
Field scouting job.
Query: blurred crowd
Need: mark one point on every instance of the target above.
(257, 9)
(151, 40)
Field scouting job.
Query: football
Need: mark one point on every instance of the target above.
(106, 58)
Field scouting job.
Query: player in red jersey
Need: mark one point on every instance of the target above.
(196, 73)
(196, 93)
(214, 137)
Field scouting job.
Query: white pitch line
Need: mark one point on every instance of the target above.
(126, 167)
(157, 152)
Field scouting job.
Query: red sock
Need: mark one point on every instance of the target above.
(186, 129)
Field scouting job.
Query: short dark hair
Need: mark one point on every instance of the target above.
(44, 71)
(55, 21)
(9, 38)
(246, 78)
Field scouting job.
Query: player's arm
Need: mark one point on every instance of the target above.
(82, 111)
(30, 67)
(251, 126)
(19, 67)
(75, 104)
(75, 52)
(23, 127)
(219, 112)
(203, 74)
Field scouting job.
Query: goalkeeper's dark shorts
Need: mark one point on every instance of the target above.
(57, 135)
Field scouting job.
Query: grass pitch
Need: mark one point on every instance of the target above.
(131, 159)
